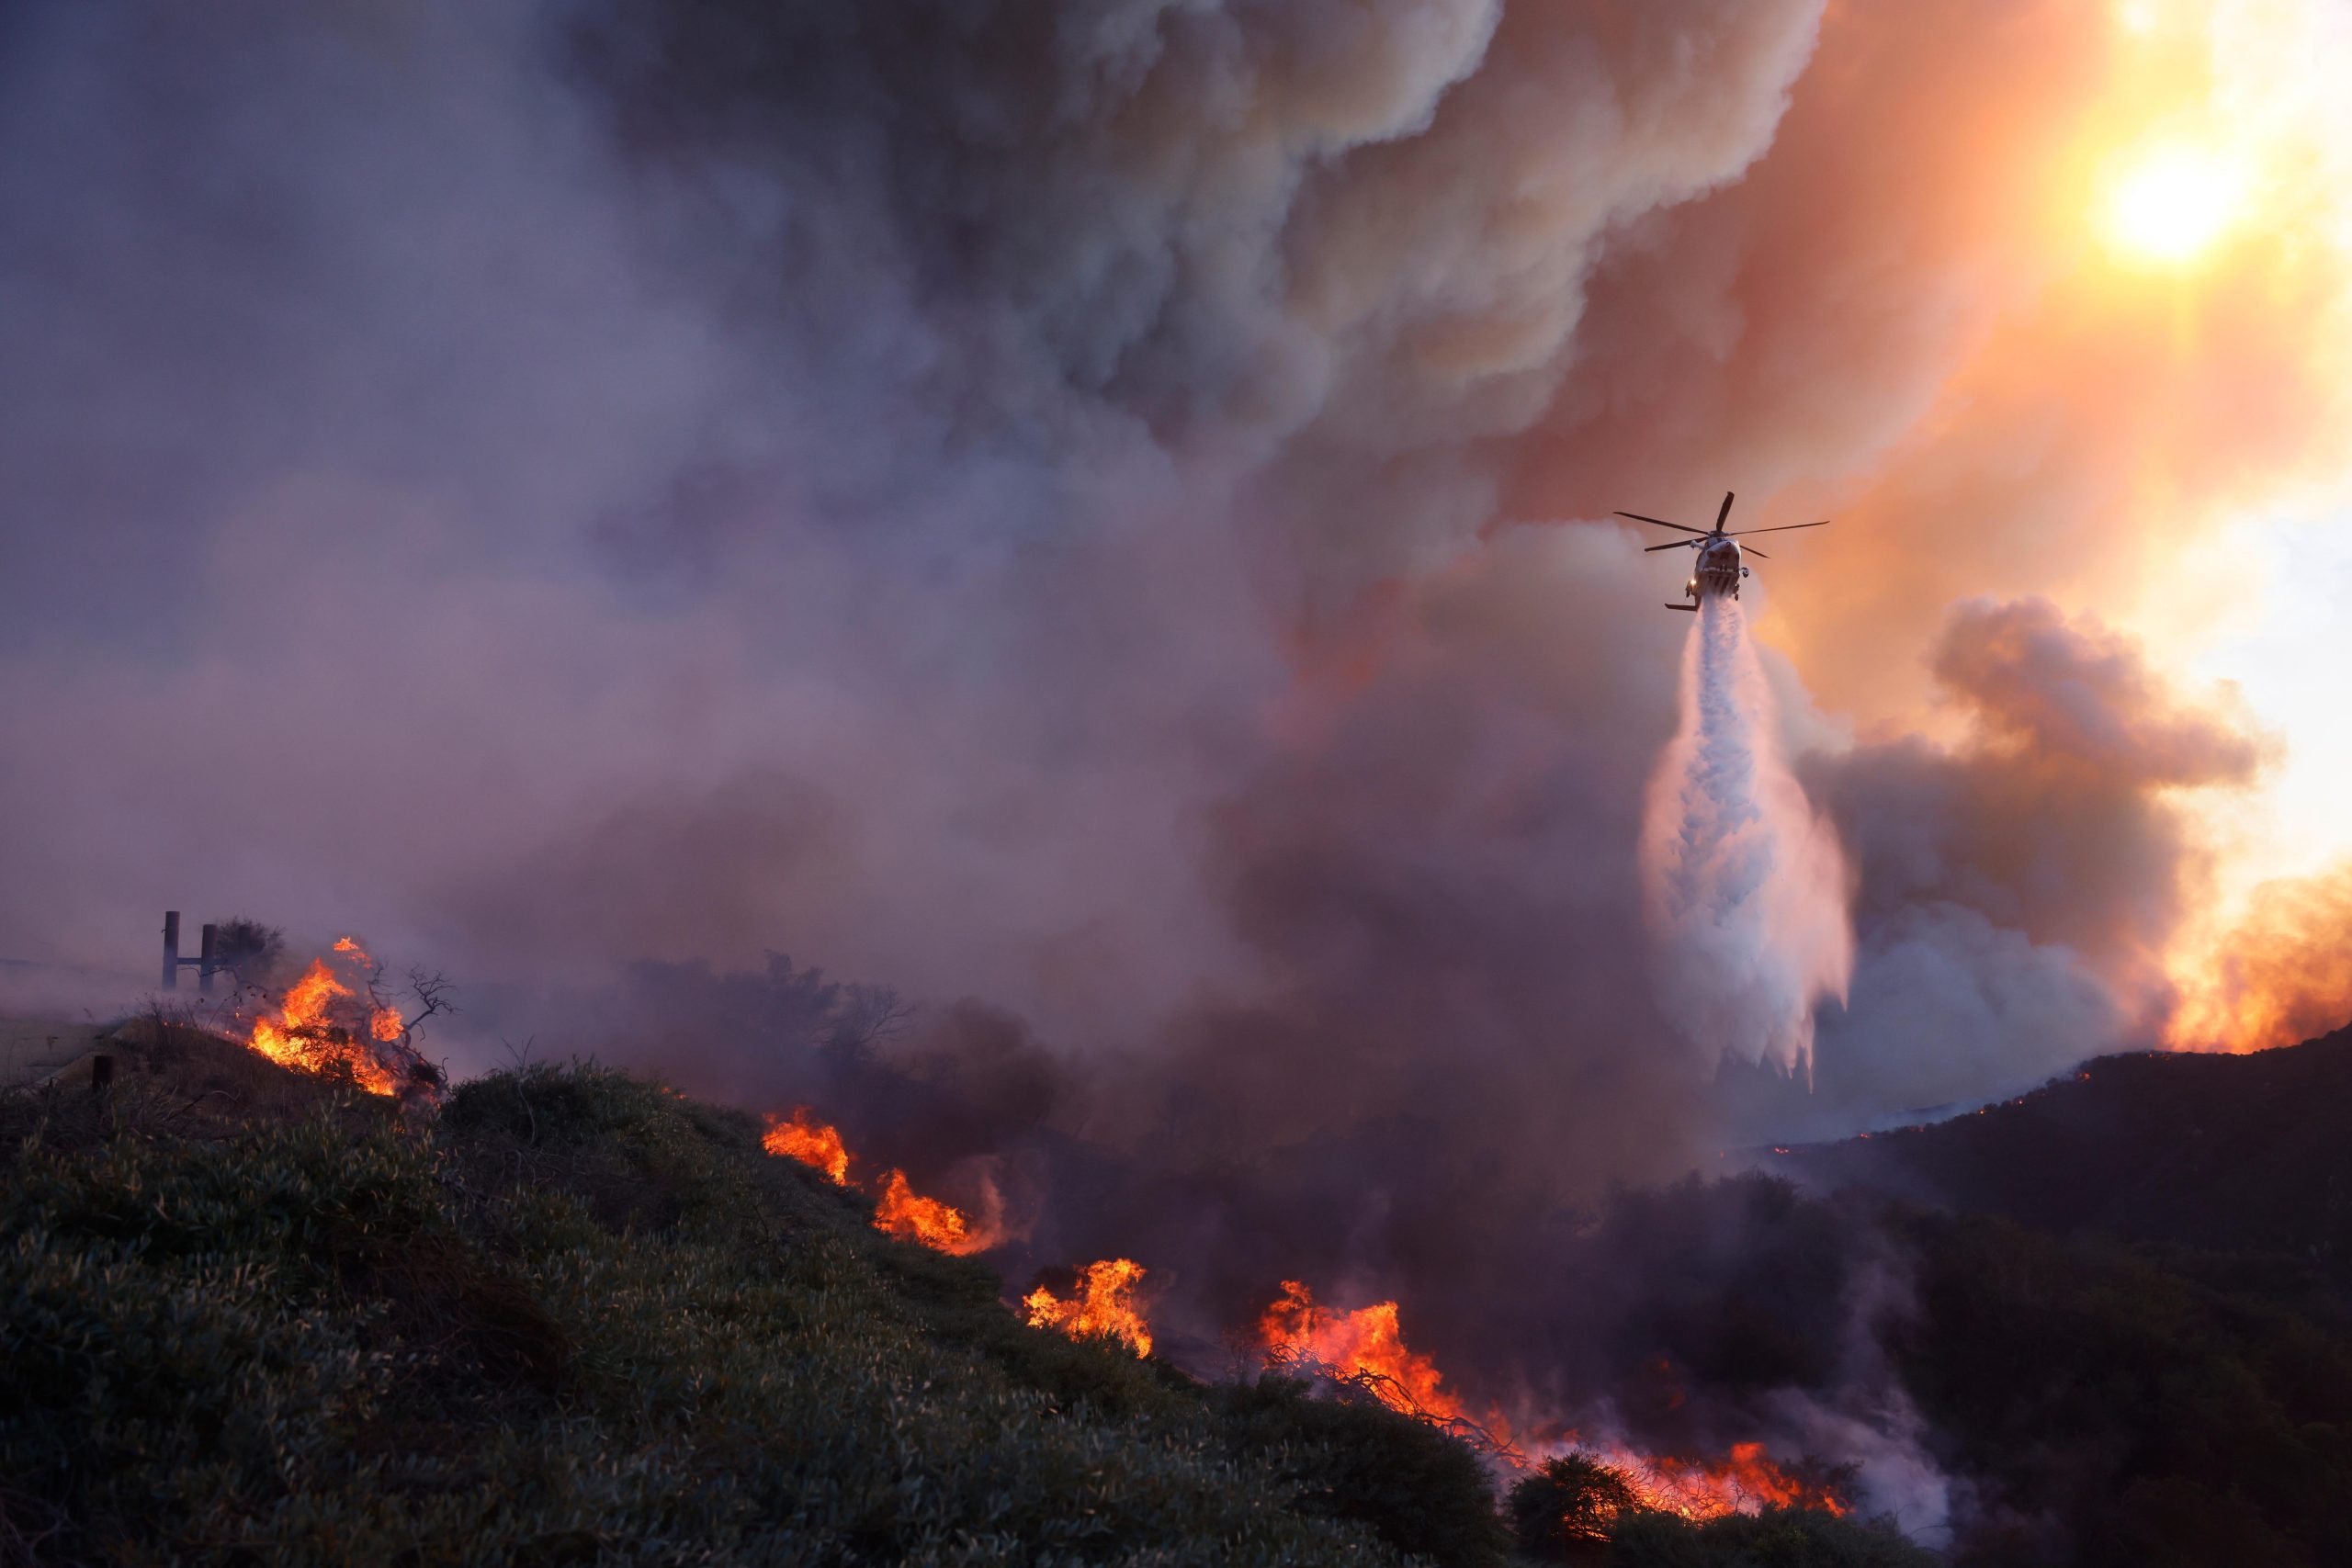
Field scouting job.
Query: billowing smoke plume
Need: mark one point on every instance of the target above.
(1745, 885)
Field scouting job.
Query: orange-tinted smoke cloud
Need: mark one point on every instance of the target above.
(1911, 315)
(2058, 810)
(2281, 974)
(1919, 314)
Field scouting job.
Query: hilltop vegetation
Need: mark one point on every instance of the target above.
(2132, 1328)
(2230, 1153)
(248, 1315)
(581, 1319)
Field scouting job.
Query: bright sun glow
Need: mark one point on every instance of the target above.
(2174, 203)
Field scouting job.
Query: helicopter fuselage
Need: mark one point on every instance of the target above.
(1717, 569)
(1717, 563)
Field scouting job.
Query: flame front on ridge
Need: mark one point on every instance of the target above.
(1747, 1482)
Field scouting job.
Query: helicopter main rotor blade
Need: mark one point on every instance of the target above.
(1743, 532)
(1725, 512)
(1660, 522)
(1670, 545)
(1747, 550)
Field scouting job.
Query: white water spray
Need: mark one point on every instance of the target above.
(1745, 885)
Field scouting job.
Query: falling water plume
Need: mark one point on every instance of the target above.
(1745, 886)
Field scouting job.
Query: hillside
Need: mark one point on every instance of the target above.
(2228, 1154)
(249, 1315)
(253, 1315)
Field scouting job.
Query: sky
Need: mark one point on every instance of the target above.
(1101, 514)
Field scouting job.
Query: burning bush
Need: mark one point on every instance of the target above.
(1102, 1305)
(903, 1212)
(1566, 1511)
(334, 1021)
(1365, 1344)
(814, 1143)
(324, 1027)
(898, 1210)
(1577, 1508)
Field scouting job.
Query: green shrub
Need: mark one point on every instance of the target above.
(1424, 1492)
(1778, 1537)
(1566, 1511)
(2151, 1417)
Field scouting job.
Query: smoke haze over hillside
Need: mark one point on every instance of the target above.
(1085, 511)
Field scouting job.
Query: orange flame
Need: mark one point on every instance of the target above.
(383, 1022)
(305, 1036)
(906, 1213)
(1747, 1482)
(1364, 1343)
(1368, 1344)
(809, 1141)
(900, 1210)
(1104, 1306)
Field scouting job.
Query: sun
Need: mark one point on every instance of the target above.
(2172, 204)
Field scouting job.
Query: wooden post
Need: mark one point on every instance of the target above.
(207, 961)
(170, 949)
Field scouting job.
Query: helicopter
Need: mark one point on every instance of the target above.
(1719, 567)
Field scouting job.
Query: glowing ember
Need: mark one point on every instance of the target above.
(317, 1030)
(809, 1141)
(1104, 1306)
(1365, 1344)
(906, 1213)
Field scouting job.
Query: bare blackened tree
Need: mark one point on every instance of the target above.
(431, 991)
(863, 1016)
(250, 951)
